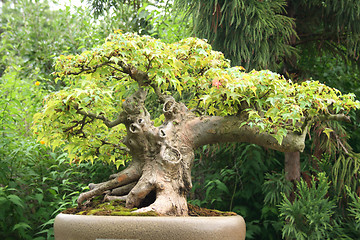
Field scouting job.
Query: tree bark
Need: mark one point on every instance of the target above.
(292, 166)
(213, 129)
(292, 171)
(162, 156)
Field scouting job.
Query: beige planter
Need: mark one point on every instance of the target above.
(78, 227)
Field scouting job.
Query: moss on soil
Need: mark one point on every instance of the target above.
(117, 208)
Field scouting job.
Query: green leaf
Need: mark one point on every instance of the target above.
(16, 200)
(327, 131)
(22, 226)
(220, 185)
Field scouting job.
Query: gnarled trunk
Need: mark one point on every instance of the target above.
(161, 160)
(162, 156)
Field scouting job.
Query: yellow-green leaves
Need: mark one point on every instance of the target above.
(98, 81)
(273, 104)
(60, 124)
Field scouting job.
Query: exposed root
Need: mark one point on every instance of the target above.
(145, 209)
(109, 198)
(125, 177)
(94, 185)
(123, 190)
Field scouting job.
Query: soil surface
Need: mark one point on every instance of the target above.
(117, 208)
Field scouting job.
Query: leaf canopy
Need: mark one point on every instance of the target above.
(99, 80)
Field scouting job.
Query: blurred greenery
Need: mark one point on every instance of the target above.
(36, 182)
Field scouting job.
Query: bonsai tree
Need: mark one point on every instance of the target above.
(139, 100)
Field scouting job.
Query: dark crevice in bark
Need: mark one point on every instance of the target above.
(148, 200)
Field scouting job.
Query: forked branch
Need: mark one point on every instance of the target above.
(120, 119)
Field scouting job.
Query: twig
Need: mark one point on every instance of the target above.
(120, 119)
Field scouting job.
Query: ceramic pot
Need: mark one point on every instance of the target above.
(87, 227)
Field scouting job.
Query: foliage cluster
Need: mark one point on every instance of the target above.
(269, 191)
(308, 217)
(98, 81)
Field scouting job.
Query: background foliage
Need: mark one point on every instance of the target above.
(36, 182)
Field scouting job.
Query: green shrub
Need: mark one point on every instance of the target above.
(309, 215)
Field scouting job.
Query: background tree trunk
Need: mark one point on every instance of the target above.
(292, 166)
(292, 170)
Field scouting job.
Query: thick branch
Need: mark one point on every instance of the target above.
(335, 117)
(161, 96)
(139, 76)
(213, 129)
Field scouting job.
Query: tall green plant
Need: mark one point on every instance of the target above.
(253, 34)
(269, 34)
(354, 209)
(309, 216)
